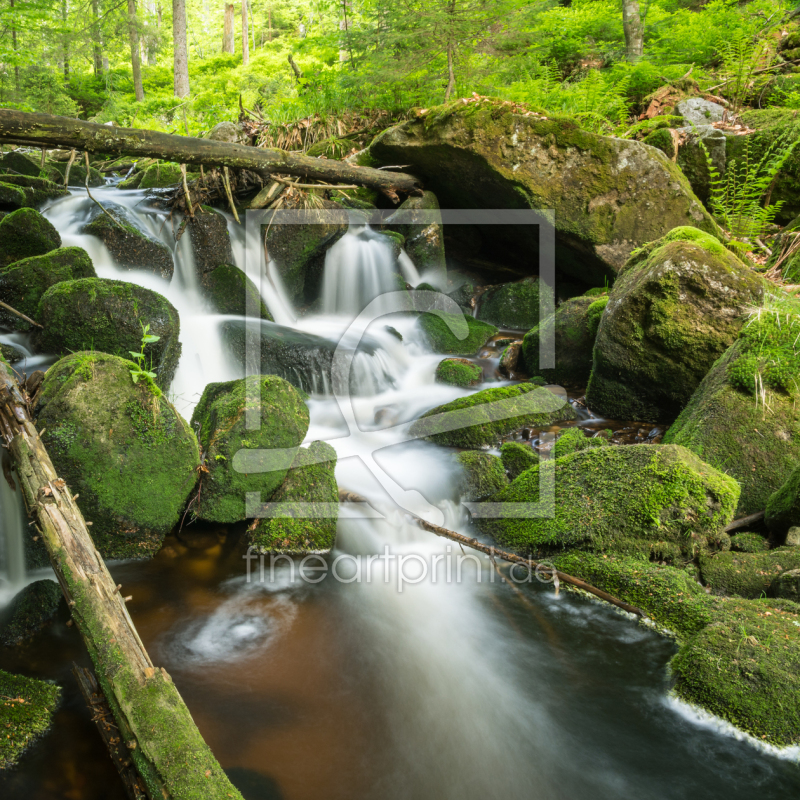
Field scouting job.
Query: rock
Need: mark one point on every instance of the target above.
(29, 611)
(298, 530)
(226, 132)
(211, 242)
(517, 457)
(23, 283)
(220, 419)
(483, 475)
(22, 191)
(25, 233)
(753, 438)
(624, 499)
(470, 423)
(160, 175)
(419, 220)
(609, 195)
(749, 543)
(671, 313)
(512, 305)
(77, 174)
(24, 722)
(793, 537)
(455, 334)
(697, 111)
(227, 289)
(662, 139)
(573, 440)
(107, 316)
(131, 246)
(510, 359)
(787, 585)
(746, 574)
(459, 372)
(10, 354)
(122, 447)
(783, 507)
(19, 163)
(132, 181)
(692, 160)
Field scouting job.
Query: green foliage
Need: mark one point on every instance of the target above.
(139, 370)
(743, 61)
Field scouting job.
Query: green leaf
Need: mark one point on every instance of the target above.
(136, 355)
(150, 338)
(135, 375)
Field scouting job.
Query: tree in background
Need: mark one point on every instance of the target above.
(133, 33)
(245, 35)
(180, 49)
(634, 28)
(227, 29)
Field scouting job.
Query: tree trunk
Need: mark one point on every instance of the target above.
(154, 723)
(227, 30)
(245, 35)
(136, 63)
(180, 48)
(51, 131)
(97, 45)
(14, 48)
(633, 27)
(64, 11)
(451, 74)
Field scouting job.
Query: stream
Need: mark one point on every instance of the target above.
(369, 686)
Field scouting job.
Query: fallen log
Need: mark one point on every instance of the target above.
(154, 723)
(744, 522)
(51, 131)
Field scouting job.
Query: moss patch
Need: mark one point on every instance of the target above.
(160, 175)
(483, 475)
(229, 291)
(30, 611)
(749, 542)
(25, 233)
(459, 372)
(455, 334)
(783, 507)
(517, 457)
(573, 440)
(747, 574)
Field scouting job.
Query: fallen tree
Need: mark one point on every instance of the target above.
(153, 722)
(46, 130)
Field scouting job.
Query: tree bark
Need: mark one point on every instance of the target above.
(64, 12)
(245, 35)
(52, 131)
(633, 28)
(14, 48)
(451, 74)
(136, 64)
(227, 30)
(180, 48)
(153, 722)
(97, 45)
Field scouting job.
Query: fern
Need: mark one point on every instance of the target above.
(742, 57)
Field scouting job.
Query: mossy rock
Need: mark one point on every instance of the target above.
(77, 174)
(132, 181)
(122, 447)
(573, 440)
(747, 574)
(662, 139)
(27, 706)
(624, 499)
(787, 585)
(517, 457)
(513, 305)
(220, 419)
(469, 422)
(160, 175)
(783, 507)
(299, 529)
(130, 245)
(671, 313)
(25, 233)
(749, 542)
(107, 316)
(459, 372)
(229, 291)
(20, 163)
(23, 283)
(11, 354)
(483, 475)
(573, 333)
(22, 191)
(455, 334)
(13, 197)
(30, 611)
(211, 242)
(419, 220)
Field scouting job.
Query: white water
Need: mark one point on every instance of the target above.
(12, 553)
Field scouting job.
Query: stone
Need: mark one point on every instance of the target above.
(211, 242)
(749, 543)
(29, 611)
(787, 585)
(160, 175)
(693, 162)
(459, 372)
(698, 111)
(25, 233)
(483, 475)
(746, 574)
(455, 334)
(23, 191)
(573, 440)
(229, 290)
(226, 132)
(517, 458)
(77, 173)
(514, 305)
(419, 220)
(783, 507)
(793, 537)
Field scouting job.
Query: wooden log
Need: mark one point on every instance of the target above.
(744, 522)
(51, 131)
(153, 721)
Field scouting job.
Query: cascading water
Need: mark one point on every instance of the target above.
(12, 551)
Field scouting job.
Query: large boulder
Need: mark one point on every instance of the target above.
(108, 315)
(783, 507)
(131, 246)
(25, 233)
(672, 312)
(453, 334)
(211, 242)
(514, 305)
(220, 419)
(488, 416)
(636, 499)
(459, 372)
(419, 220)
(743, 418)
(609, 195)
(23, 283)
(229, 291)
(699, 111)
(305, 521)
(122, 447)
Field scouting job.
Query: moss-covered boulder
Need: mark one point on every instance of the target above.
(211, 242)
(787, 585)
(122, 447)
(609, 195)
(455, 334)
(130, 245)
(132, 181)
(483, 475)
(220, 418)
(25, 233)
(22, 191)
(27, 706)
(749, 542)
(517, 457)
(11, 354)
(419, 220)
(23, 283)
(19, 163)
(783, 507)
(160, 175)
(672, 312)
(459, 372)
(629, 499)
(228, 290)
(573, 440)
(744, 418)
(747, 574)
(305, 520)
(77, 174)
(512, 305)
(30, 611)
(488, 416)
(662, 139)
(107, 315)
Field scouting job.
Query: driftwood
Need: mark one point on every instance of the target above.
(159, 733)
(47, 130)
(19, 314)
(744, 522)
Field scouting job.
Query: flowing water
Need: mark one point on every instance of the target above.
(435, 679)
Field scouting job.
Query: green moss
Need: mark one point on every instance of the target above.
(77, 174)
(459, 372)
(30, 611)
(749, 542)
(220, 419)
(647, 126)
(594, 314)
(331, 148)
(517, 457)
(160, 175)
(228, 290)
(513, 305)
(622, 499)
(421, 228)
(25, 233)
(662, 139)
(128, 454)
(573, 440)
(26, 712)
(747, 574)
(19, 163)
(783, 507)
(483, 475)
(455, 334)
(132, 181)
(469, 422)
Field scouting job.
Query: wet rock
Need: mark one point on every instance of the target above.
(77, 174)
(21, 191)
(483, 475)
(25, 233)
(220, 421)
(299, 529)
(455, 334)
(30, 611)
(122, 447)
(10, 354)
(229, 290)
(517, 457)
(419, 220)
(672, 312)
(107, 316)
(749, 543)
(513, 305)
(132, 181)
(23, 283)
(19, 163)
(783, 507)
(573, 440)
(747, 574)
(510, 359)
(459, 372)
(160, 175)
(211, 242)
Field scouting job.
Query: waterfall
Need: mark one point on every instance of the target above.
(12, 528)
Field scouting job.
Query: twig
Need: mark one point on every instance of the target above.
(743, 522)
(19, 314)
(227, 185)
(69, 166)
(102, 208)
(186, 194)
(311, 185)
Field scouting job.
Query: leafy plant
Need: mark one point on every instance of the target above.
(744, 61)
(139, 370)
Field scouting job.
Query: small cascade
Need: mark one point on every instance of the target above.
(12, 549)
(407, 267)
